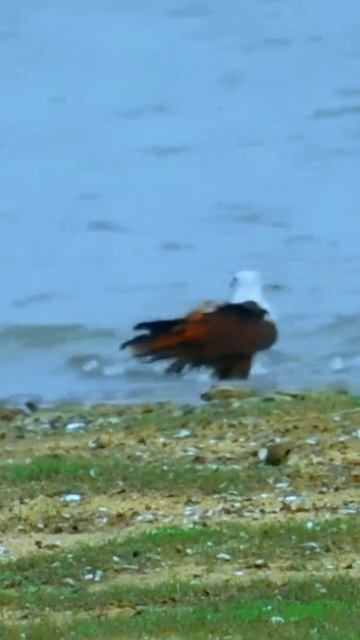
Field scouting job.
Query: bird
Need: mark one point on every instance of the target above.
(223, 336)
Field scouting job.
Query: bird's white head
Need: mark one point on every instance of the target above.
(247, 285)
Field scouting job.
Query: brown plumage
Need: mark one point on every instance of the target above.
(224, 338)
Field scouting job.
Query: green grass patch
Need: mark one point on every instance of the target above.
(344, 591)
(242, 615)
(172, 546)
(56, 475)
(45, 468)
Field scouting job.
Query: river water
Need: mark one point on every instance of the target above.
(149, 149)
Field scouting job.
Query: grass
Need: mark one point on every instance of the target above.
(166, 547)
(239, 614)
(99, 474)
(170, 594)
(170, 579)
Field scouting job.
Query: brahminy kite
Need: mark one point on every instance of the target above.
(223, 336)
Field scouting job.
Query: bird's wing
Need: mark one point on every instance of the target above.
(225, 329)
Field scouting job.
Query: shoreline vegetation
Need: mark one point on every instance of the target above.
(236, 519)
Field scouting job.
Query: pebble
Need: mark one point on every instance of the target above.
(183, 433)
(74, 426)
(274, 454)
(320, 588)
(72, 497)
(282, 485)
(260, 564)
(311, 547)
(129, 567)
(192, 451)
(291, 499)
(100, 442)
(94, 576)
(191, 512)
(146, 517)
(70, 582)
(223, 556)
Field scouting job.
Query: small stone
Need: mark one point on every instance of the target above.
(129, 567)
(192, 451)
(191, 512)
(260, 564)
(120, 613)
(147, 408)
(321, 588)
(146, 517)
(72, 497)
(98, 575)
(183, 433)
(70, 582)
(223, 556)
(311, 547)
(227, 393)
(291, 499)
(71, 427)
(274, 454)
(277, 620)
(48, 546)
(281, 485)
(100, 442)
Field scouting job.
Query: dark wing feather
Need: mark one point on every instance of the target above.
(157, 326)
(154, 327)
(246, 310)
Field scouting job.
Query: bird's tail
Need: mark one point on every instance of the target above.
(147, 344)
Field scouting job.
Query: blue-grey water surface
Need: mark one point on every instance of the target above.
(148, 149)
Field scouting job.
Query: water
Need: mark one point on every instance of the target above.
(148, 149)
